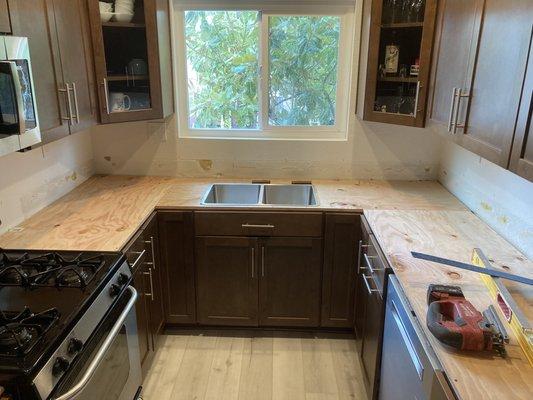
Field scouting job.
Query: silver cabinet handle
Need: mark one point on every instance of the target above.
(452, 110)
(368, 288)
(369, 264)
(262, 261)
(459, 96)
(76, 108)
(253, 261)
(141, 254)
(82, 383)
(106, 95)
(151, 294)
(70, 117)
(263, 226)
(360, 248)
(153, 250)
(417, 96)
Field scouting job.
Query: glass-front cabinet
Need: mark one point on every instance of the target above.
(400, 44)
(132, 69)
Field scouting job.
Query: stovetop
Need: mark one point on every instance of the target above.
(42, 295)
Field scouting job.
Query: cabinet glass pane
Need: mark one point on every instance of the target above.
(397, 84)
(126, 55)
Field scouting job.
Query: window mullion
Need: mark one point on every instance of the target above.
(263, 89)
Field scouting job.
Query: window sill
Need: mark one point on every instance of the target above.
(318, 135)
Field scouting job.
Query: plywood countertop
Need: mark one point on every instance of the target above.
(454, 234)
(104, 212)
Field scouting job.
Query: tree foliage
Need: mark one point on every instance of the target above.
(223, 69)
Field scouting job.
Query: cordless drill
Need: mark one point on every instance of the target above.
(455, 321)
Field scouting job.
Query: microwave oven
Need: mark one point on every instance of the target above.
(19, 124)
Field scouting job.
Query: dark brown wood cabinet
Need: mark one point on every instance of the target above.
(289, 273)
(60, 50)
(227, 280)
(399, 61)
(479, 76)
(5, 23)
(141, 311)
(342, 235)
(176, 247)
(133, 63)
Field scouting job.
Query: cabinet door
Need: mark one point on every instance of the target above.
(176, 249)
(289, 289)
(455, 51)
(5, 24)
(74, 46)
(142, 314)
(498, 78)
(522, 153)
(227, 280)
(343, 232)
(35, 20)
(155, 303)
(371, 343)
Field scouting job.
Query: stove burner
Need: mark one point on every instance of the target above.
(19, 331)
(48, 269)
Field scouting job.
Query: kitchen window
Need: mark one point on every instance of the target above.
(263, 72)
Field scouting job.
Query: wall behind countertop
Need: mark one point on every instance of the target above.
(30, 181)
(372, 151)
(500, 198)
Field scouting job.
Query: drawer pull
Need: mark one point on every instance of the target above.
(141, 254)
(359, 251)
(151, 294)
(258, 226)
(369, 264)
(368, 288)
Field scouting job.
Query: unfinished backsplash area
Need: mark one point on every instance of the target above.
(373, 151)
(31, 180)
(500, 198)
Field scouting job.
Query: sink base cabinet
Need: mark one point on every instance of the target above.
(227, 280)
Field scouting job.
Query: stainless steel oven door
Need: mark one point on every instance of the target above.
(109, 368)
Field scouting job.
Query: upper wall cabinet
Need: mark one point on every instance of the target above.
(60, 49)
(399, 55)
(132, 59)
(482, 51)
(5, 24)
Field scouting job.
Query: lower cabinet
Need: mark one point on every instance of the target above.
(250, 281)
(142, 316)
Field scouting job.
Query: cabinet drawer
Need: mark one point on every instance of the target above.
(209, 223)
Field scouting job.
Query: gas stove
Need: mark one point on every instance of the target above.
(52, 305)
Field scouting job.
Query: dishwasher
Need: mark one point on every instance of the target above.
(409, 367)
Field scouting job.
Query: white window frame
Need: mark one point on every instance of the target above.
(265, 131)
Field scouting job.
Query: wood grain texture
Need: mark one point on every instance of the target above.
(106, 211)
(244, 365)
(455, 234)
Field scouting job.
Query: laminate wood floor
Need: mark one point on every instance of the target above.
(239, 365)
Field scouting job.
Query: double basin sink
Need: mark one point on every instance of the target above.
(251, 194)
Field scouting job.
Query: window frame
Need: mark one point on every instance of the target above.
(265, 131)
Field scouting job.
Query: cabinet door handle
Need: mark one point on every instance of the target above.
(417, 96)
(151, 294)
(253, 261)
(76, 108)
(368, 288)
(106, 95)
(369, 264)
(359, 251)
(460, 95)
(70, 117)
(262, 261)
(141, 254)
(452, 110)
(153, 251)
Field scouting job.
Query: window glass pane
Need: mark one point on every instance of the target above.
(303, 57)
(222, 69)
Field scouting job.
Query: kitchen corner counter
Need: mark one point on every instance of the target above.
(454, 234)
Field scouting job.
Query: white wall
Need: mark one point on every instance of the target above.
(372, 151)
(30, 181)
(500, 198)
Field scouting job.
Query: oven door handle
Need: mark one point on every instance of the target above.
(11, 69)
(80, 385)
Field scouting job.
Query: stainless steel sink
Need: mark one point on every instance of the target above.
(243, 194)
(293, 195)
(233, 194)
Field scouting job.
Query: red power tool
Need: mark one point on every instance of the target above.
(455, 321)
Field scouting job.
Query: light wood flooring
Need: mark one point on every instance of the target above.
(225, 365)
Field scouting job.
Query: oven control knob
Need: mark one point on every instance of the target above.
(60, 366)
(122, 279)
(74, 346)
(114, 290)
